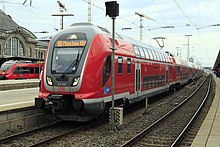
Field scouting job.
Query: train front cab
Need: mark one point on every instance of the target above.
(76, 93)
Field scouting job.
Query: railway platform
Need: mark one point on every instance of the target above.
(209, 133)
(18, 84)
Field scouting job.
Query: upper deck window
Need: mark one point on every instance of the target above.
(146, 53)
(161, 58)
(166, 58)
(142, 52)
(137, 52)
(151, 54)
(155, 55)
(67, 52)
(158, 56)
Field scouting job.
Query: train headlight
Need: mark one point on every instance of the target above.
(75, 81)
(49, 81)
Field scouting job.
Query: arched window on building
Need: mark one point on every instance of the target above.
(29, 52)
(38, 54)
(8, 48)
(14, 47)
(35, 53)
(42, 55)
(21, 49)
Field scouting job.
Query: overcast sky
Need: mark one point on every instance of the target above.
(189, 17)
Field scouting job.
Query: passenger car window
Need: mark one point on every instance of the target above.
(106, 70)
(16, 70)
(120, 61)
(128, 65)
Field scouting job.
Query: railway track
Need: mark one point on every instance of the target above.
(44, 135)
(10, 140)
(49, 133)
(52, 135)
(170, 129)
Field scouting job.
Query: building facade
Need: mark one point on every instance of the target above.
(18, 43)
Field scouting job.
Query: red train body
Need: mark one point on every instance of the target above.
(76, 80)
(19, 70)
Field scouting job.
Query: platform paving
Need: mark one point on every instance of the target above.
(209, 133)
(18, 84)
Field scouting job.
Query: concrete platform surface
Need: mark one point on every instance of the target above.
(209, 133)
(4, 82)
(18, 98)
(18, 84)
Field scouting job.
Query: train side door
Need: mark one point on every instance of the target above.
(167, 74)
(137, 79)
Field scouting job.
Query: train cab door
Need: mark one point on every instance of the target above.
(137, 79)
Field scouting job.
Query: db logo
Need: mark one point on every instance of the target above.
(61, 89)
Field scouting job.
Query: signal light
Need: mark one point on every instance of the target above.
(112, 8)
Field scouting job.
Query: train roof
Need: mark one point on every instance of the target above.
(102, 30)
(137, 42)
(91, 30)
(97, 29)
(17, 61)
(94, 29)
(180, 61)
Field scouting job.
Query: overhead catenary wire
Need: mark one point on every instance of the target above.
(195, 26)
(118, 16)
(130, 21)
(185, 14)
(32, 8)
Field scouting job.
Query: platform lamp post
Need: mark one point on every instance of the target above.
(188, 49)
(112, 10)
(177, 51)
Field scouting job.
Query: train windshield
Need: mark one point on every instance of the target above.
(65, 60)
(6, 66)
(67, 53)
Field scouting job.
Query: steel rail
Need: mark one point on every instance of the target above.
(145, 131)
(127, 110)
(14, 136)
(178, 139)
(87, 125)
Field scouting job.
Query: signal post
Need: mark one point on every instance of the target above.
(112, 10)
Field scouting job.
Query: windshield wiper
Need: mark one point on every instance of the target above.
(74, 63)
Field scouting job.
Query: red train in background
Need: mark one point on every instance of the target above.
(76, 80)
(20, 70)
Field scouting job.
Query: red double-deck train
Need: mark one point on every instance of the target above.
(76, 81)
(13, 69)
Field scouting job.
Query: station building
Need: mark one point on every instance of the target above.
(18, 43)
(216, 66)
